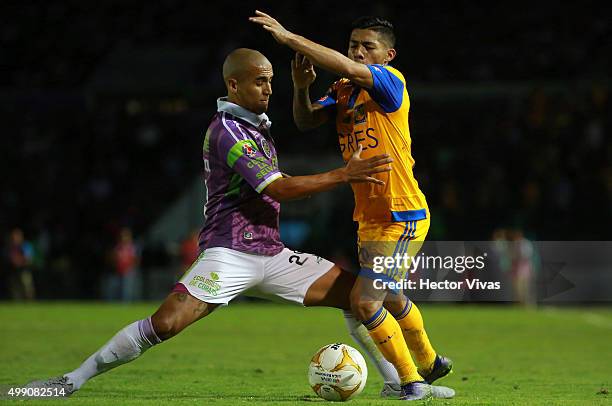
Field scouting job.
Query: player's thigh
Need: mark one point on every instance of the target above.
(306, 279)
(221, 274)
(397, 299)
(386, 250)
(214, 279)
(380, 245)
(178, 311)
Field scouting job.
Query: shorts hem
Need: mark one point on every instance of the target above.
(181, 288)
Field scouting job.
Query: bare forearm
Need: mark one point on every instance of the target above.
(303, 113)
(318, 55)
(298, 187)
(321, 56)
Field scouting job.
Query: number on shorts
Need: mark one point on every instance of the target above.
(296, 259)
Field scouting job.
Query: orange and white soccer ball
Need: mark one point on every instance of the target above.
(337, 372)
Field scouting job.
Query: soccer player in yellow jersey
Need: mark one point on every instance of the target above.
(370, 104)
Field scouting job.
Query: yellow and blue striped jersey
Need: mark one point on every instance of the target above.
(377, 119)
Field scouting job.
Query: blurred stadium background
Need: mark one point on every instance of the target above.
(104, 106)
(103, 109)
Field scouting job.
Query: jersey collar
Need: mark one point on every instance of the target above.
(258, 120)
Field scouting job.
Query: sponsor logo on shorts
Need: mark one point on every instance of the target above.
(208, 285)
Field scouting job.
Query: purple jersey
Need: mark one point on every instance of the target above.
(239, 162)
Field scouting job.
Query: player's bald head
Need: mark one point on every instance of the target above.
(248, 78)
(242, 61)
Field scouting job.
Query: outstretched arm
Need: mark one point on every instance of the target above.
(319, 55)
(356, 170)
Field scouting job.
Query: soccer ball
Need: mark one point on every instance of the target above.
(337, 372)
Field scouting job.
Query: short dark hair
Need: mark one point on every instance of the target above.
(378, 24)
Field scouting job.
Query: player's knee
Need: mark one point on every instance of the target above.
(395, 304)
(363, 309)
(165, 325)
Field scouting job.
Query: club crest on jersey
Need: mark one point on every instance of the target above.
(249, 150)
(265, 148)
(359, 114)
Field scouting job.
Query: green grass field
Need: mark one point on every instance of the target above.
(259, 353)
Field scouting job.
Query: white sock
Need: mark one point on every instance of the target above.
(127, 345)
(362, 337)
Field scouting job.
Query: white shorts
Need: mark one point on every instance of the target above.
(220, 274)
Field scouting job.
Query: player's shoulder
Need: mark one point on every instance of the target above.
(390, 69)
(224, 134)
(226, 126)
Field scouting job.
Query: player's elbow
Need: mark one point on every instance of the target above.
(275, 195)
(276, 191)
(285, 189)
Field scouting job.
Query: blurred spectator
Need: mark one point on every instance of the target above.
(189, 250)
(517, 255)
(19, 258)
(523, 268)
(126, 259)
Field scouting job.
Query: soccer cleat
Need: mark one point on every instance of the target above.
(416, 391)
(442, 392)
(391, 390)
(59, 386)
(442, 366)
(422, 391)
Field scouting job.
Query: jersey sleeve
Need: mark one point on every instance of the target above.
(243, 155)
(330, 97)
(388, 88)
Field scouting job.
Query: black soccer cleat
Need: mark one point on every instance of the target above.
(442, 366)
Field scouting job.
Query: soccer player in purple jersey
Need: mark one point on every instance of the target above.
(240, 244)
